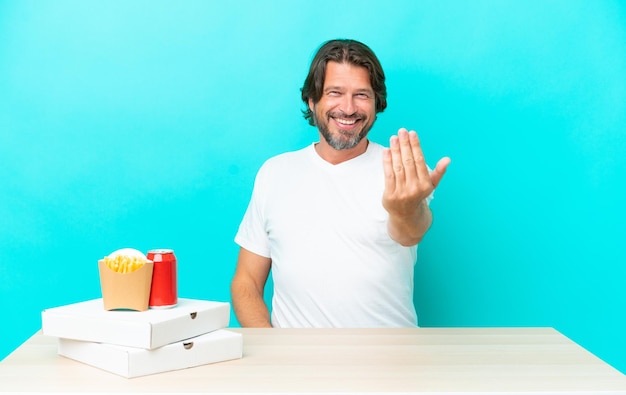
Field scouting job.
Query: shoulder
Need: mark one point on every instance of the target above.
(284, 163)
(375, 148)
(286, 159)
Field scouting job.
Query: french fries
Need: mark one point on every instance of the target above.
(124, 263)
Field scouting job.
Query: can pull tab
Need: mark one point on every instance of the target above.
(188, 345)
(193, 315)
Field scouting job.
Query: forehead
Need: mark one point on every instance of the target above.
(346, 75)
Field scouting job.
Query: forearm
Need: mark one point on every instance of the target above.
(249, 306)
(408, 230)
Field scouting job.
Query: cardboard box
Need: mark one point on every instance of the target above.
(89, 321)
(126, 290)
(218, 346)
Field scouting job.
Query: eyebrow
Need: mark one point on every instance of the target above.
(339, 88)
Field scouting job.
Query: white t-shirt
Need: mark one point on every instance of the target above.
(325, 229)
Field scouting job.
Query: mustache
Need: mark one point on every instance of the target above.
(341, 114)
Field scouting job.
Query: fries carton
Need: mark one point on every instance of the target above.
(217, 346)
(127, 289)
(89, 321)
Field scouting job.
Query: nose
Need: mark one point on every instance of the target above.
(348, 105)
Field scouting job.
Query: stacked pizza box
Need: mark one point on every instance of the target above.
(138, 343)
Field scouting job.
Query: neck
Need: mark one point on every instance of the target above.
(335, 157)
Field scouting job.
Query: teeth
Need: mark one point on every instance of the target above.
(346, 121)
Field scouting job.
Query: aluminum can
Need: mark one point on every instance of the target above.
(164, 290)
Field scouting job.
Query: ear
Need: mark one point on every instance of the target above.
(311, 105)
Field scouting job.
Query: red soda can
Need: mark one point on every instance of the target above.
(163, 293)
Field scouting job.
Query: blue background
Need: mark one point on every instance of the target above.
(142, 124)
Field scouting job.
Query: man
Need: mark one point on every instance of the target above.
(337, 222)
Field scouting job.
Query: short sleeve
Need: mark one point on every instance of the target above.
(252, 234)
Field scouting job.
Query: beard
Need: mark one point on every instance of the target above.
(342, 140)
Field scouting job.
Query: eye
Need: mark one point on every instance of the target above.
(334, 93)
(363, 95)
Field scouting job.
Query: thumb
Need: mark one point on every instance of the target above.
(437, 174)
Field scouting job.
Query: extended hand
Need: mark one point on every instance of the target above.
(407, 179)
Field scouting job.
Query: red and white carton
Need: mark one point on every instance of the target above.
(164, 291)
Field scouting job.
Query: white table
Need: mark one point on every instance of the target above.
(418, 361)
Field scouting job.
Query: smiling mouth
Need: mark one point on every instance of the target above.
(346, 122)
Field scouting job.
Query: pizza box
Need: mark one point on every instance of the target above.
(218, 346)
(89, 321)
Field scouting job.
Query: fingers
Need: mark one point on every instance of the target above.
(404, 162)
(418, 156)
(407, 157)
(396, 149)
(390, 178)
